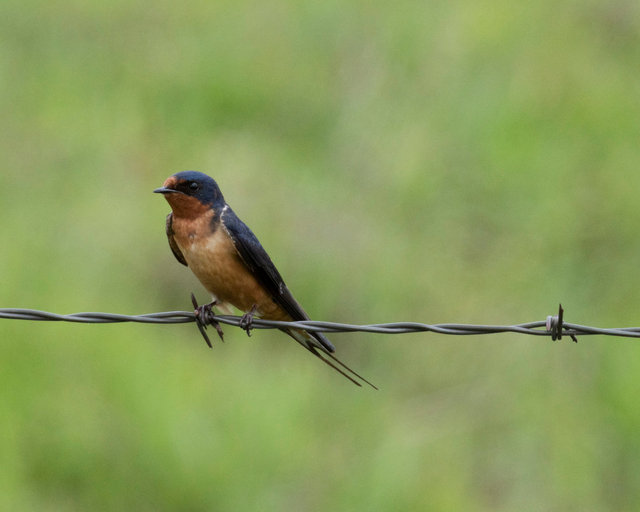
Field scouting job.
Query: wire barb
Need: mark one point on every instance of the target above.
(199, 320)
(555, 325)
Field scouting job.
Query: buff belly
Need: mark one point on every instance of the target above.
(217, 265)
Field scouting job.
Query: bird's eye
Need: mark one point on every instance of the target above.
(194, 186)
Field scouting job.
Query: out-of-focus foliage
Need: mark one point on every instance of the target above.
(431, 161)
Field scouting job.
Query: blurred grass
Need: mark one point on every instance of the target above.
(444, 161)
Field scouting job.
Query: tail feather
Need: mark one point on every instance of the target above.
(323, 341)
(318, 347)
(352, 371)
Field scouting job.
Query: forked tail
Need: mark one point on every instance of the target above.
(322, 352)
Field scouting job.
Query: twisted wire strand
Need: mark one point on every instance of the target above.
(554, 326)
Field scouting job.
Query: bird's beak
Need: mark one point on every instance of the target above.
(164, 190)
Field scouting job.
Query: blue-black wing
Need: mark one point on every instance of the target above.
(172, 242)
(259, 263)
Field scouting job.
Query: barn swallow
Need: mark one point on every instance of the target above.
(206, 235)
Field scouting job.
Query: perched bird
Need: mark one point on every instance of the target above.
(206, 235)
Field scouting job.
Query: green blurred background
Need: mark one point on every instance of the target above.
(463, 161)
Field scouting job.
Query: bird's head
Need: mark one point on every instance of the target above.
(191, 193)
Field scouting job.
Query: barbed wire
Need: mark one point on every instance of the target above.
(554, 326)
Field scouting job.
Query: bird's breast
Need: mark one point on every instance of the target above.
(213, 258)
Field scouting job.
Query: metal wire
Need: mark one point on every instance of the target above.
(554, 326)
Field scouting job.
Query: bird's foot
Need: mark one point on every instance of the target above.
(205, 316)
(246, 322)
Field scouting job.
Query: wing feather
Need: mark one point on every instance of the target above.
(172, 242)
(259, 263)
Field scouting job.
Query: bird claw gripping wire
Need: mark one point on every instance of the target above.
(246, 322)
(204, 316)
(555, 325)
